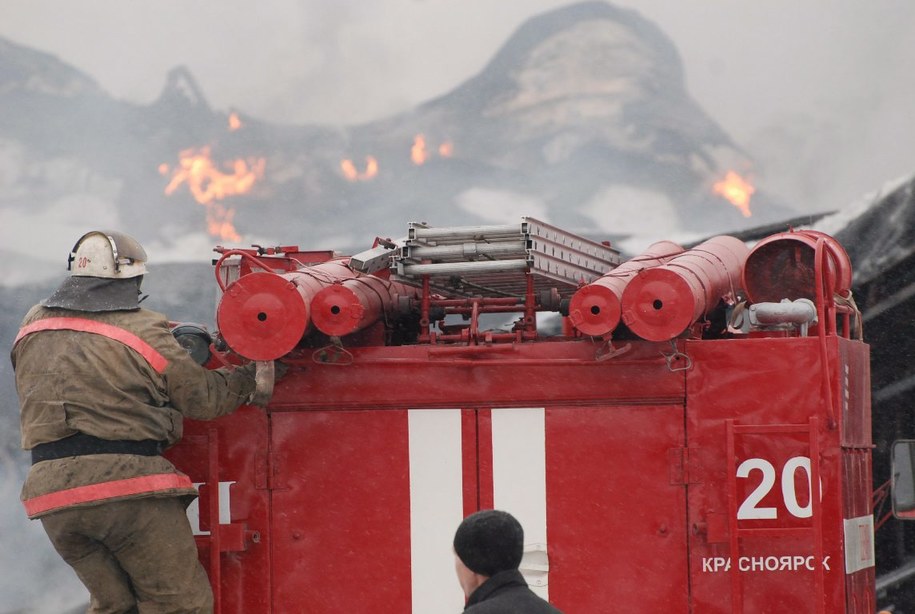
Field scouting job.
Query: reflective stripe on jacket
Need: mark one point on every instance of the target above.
(106, 491)
(116, 375)
(156, 360)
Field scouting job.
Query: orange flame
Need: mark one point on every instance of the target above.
(208, 184)
(352, 174)
(219, 222)
(737, 190)
(234, 122)
(420, 154)
(418, 151)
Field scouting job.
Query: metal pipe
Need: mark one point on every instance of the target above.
(801, 312)
(662, 302)
(483, 300)
(464, 232)
(595, 309)
(344, 308)
(469, 249)
(895, 577)
(263, 316)
(460, 268)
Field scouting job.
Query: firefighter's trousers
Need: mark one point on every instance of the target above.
(136, 556)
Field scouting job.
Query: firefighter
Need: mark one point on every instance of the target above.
(103, 387)
(488, 546)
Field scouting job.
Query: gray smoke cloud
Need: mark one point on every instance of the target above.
(818, 92)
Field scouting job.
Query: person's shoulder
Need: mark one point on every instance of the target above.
(535, 603)
(541, 605)
(516, 601)
(151, 315)
(146, 324)
(34, 313)
(142, 317)
(507, 607)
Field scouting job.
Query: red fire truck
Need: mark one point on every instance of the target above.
(687, 430)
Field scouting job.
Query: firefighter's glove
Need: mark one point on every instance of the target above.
(249, 369)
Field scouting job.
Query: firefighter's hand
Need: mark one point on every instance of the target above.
(249, 369)
(267, 372)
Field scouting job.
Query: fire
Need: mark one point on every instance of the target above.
(219, 222)
(208, 185)
(234, 122)
(418, 151)
(737, 190)
(353, 174)
(420, 154)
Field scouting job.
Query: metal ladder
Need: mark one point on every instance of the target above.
(493, 261)
(815, 531)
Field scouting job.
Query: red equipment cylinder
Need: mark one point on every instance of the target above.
(661, 302)
(356, 303)
(595, 309)
(263, 316)
(782, 266)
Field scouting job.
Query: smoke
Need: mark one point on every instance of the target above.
(499, 206)
(818, 94)
(39, 582)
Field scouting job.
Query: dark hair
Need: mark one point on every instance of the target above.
(489, 541)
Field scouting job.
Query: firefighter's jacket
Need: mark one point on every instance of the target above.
(115, 375)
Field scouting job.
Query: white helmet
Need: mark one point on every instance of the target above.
(106, 253)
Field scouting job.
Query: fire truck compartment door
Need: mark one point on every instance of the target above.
(367, 502)
(616, 509)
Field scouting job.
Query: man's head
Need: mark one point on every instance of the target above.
(106, 271)
(486, 543)
(107, 254)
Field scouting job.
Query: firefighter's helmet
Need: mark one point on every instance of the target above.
(107, 253)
